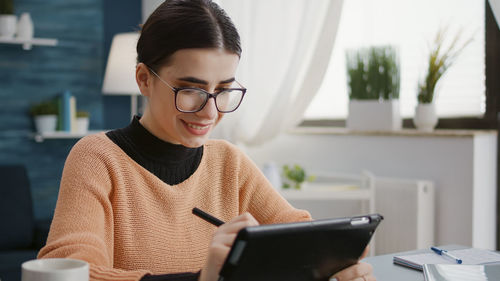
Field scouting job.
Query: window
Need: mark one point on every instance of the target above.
(410, 26)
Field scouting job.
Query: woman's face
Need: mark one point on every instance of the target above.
(208, 69)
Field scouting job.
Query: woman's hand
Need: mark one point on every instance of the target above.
(221, 244)
(360, 271)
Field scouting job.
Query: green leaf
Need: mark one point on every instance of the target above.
(373, 73)
(439, 62)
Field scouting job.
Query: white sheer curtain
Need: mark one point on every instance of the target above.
(495, 6)
(286, 49)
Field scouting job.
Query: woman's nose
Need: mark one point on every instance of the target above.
(209, 111)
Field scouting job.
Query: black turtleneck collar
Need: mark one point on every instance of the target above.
(172, 163)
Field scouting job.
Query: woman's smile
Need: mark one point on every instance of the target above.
(197, 128)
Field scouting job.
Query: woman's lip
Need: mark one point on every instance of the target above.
(198, 124)
(199, 129)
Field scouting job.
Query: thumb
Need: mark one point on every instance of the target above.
(365, 252)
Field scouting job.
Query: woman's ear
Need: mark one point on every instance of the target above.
(143, 78)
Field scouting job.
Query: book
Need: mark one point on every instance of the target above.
(460, 272)
(59, 114)
(469, 256)
(72, 112)
(65, 111)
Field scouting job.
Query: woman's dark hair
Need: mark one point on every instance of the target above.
(185, 24)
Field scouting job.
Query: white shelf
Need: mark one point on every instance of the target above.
(27, 44)
(311, 193)
(62, 135)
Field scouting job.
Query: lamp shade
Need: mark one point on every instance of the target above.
(119, 78)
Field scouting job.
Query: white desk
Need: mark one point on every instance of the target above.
(385, 270)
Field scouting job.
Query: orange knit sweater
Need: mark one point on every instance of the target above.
(126, 222)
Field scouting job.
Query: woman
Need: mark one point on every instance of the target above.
(126, 196)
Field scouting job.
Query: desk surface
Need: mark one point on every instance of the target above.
(385, 270)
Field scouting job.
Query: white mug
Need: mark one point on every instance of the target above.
(55, 270)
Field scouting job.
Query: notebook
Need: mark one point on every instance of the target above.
(459, 272)
(469, 256)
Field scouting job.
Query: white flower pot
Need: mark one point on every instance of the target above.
(45, 123)
(292, 184)
(374, 115)
(82, 125)
(8, 25)
(425, 117)
(25, 27)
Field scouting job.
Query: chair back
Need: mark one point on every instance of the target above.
(16, 208)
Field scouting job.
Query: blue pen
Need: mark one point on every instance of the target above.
(446, 254)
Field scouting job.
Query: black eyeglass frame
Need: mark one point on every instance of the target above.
(208, 95)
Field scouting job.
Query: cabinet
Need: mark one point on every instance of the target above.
(461, 163)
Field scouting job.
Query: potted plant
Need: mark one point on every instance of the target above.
(8, 21)
(45, 116)
(439, 61)
(373, 82)
(295, 176)
(82, 122)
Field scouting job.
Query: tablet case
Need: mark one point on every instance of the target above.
(302, 251)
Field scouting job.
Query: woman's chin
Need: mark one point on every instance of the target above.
(194, 142)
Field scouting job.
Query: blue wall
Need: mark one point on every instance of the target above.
(76, 64)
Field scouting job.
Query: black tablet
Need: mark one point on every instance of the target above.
(301, 251)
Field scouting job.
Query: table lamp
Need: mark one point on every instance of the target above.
(119, 78)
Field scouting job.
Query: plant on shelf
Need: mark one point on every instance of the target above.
(373, 74)
(440, 59)
(44, 108)
(82, 114)
(6, 7)
(373, 79)
(45, 116)
(295, 176)
(8, 21)
(82, 121)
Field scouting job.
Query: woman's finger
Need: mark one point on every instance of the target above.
(245, 217)
(239, 222)
(368, 277)
(226, 233)
(365, 252)
(234, 227)
(225, 239)
(354, 271)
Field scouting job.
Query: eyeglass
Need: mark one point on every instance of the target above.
(191, 99)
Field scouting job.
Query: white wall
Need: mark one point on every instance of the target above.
(148, 6)
(463, 167)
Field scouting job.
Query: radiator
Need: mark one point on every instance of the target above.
(408, 210)
(407, 207)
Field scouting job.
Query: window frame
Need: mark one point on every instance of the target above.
(492, 85)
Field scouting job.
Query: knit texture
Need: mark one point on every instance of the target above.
(126, 222)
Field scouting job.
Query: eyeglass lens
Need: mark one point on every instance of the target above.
(192, 100)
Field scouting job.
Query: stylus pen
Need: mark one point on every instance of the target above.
(207, 217)
(445, 253)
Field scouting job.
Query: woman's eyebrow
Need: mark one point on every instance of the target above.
(203, 82)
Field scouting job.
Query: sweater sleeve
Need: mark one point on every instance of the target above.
(82, 227)
(261, 199)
